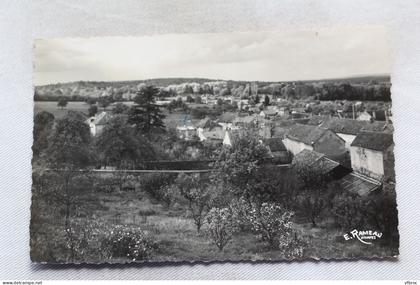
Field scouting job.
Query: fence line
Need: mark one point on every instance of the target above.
(148, 170)
(138, 170)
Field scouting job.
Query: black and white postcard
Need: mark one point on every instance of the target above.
(251, 146)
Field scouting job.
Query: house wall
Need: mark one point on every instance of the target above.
(187, 133)
(200, 134)
(348, 138)
(364, 117)
(226, 126)
(227, 140)
(368, 162)
(295, 147)
(331, 145)
(92, 128)
(96, 130)
(283, 112)
(99, 129)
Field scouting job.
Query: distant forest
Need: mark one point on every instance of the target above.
(373, 88)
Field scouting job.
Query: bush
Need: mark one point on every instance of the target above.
(377, 211)
(92, 110)
(292, 246)
(197, 194)
(129, 243)
(120, 108)
(312, 205)
(348, 211)
(270, 221)
(240, 209)
(221, 226)
(169, 194)
(155, 185)
(190, 99)
(383, 215)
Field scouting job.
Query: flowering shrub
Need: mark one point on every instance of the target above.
(156, 185)
(81, 236)
(98, 240)
(292, 246)
(240, 209)
(274, 225)
(221, 226)
(197, 195)
(270, 221)
(131, 243)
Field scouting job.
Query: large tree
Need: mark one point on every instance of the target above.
(266, 100)
(69, 143)
(120, 146)
(104, 101)
(62, 102)
(146, 115)
(241, 164)
(93, 110)
(315, 192)
(120, 108)
(198, 193)
(68, 153)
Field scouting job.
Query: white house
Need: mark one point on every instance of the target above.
(230, 135)
(98, 122)
(242, 103)
(364, 116)
(283, 111)
(268, 113)
(186, 132)
(214, 135)
(369, 151)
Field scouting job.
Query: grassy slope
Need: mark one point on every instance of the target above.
(176, 233)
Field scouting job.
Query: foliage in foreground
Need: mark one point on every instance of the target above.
(158, 186)
(128, 242)
(93, 241)
(221, 226)
(197, 194)
(273, 225)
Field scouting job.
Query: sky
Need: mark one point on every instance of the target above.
(247, 56)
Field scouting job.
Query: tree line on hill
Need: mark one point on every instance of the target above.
(327, 90)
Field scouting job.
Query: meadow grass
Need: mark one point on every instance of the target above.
(177, 236)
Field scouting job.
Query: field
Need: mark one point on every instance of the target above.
(51, 107)
(172, 228)
(171, 120)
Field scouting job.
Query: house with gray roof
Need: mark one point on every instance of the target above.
(277, 151)
(315, 138)
(348, 129)
(244, 121)
(214, 135)
(268, 113)
(369, 153)
(320, 164)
